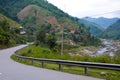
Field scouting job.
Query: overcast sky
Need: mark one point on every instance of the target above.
(93, 8)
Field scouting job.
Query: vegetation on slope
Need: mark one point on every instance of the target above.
(11, 22)
(94, 28)
(112, 32)
(37, 14)
(10, 33)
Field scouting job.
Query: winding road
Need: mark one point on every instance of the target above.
(11, 70)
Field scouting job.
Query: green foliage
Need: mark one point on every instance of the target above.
(94, 41)
(10, 35)
(94, 28)
(40, 52)
(5, 35)
(46, 27)
(12, 23)
(50, 41)
(4, 25)
(41, 36)
(112, 32)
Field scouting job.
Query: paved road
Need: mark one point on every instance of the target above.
(11, 70)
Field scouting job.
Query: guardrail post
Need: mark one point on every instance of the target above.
(25, 60)
(42, 64)
(60, 67)
(20, 59)
(32, 61)
(86, 70)
(17, 58)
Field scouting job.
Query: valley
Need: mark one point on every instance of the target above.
(49, 32)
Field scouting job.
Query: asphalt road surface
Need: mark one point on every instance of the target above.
(11, 70)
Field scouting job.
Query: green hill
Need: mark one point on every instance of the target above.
(40, 14)
(34, 18)
(94, 28)
(113, 31)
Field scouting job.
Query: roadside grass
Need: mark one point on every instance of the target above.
(40, 52)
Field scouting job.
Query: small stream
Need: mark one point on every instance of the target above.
(101, 51)
(109, 48)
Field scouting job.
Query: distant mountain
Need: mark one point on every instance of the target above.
(103, 22)
(113, 31)
(94, 28)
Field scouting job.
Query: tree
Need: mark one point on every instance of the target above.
(41, 36)
(4, 25)
(4, 33)
(50, 41)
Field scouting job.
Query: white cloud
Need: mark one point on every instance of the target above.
(82, 8)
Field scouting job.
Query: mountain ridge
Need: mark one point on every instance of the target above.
(94, 28)
(113, 31)
(102, 21)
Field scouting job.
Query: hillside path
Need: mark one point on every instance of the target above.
(11, 70)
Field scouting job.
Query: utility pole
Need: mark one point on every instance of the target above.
(62, 43)
(62, 40)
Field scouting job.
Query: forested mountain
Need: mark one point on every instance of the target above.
(15, 6)
(34, 15)
(103, 22)
(113, 31)
(94, 28)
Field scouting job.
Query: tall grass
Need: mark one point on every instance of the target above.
(41, 52)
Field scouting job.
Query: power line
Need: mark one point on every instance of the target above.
(106, 13)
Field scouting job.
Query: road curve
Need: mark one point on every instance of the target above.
(11, 70)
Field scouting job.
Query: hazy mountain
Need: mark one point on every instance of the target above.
(94, 28)
(113, 31)
(103, 22)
